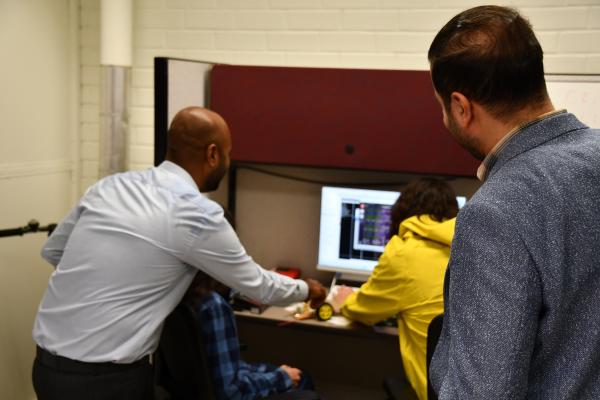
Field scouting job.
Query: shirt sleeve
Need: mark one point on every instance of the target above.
(492, 308)
(233, 378)
(212, 246)
(55, 245)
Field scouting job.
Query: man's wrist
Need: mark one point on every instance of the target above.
(285, 379)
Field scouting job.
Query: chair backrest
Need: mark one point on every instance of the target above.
(433, 335)
(181, 363)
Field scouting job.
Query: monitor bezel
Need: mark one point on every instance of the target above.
(321, 266)
(461, 200)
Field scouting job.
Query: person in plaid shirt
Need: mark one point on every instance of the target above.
(233, 378)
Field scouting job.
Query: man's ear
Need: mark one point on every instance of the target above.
(461, 108)
(212, 155)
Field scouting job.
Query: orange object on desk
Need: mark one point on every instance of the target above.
(293, 273)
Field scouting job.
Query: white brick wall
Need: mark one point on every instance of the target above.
(186, 40)
(158, 19)
(203, 20)
(293, 41)
(369, 21)
(321, 33)
(240, 40)
(314, 20)
(259, 20)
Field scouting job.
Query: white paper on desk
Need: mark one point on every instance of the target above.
(339, 320)
(294, 308)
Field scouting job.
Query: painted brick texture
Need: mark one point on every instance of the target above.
(320, 33)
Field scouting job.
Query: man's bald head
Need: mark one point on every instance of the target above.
(193, 129)
(199, 141)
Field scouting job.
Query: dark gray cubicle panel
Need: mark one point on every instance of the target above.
(177, 84)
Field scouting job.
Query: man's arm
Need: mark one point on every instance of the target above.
(493, 303)
(232, 377)
(210, 244)
(383, 295)
(55, 245)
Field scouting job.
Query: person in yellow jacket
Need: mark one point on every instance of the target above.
(408, 279)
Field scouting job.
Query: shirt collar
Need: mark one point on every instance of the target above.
(180, 172)
(492, 156)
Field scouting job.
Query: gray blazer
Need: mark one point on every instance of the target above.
(522, 290)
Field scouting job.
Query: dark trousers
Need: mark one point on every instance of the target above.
(60, 378)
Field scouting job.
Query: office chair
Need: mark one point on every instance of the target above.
(398, 388)
(433, 335)
(181, 364)
(180, 361)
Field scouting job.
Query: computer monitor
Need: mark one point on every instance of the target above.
(354, 228)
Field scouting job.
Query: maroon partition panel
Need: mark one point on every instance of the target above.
(367, 119)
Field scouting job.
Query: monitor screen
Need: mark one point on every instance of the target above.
(354, 228)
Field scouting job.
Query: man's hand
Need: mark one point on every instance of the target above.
(316, 292)
(342, 293)
(294, 373)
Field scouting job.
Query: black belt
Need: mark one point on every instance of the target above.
(60, 363)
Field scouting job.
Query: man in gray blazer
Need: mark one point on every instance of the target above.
(522, 290)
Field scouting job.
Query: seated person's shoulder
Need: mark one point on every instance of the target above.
(214, 303)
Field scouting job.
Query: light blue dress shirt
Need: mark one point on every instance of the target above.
(126, 254)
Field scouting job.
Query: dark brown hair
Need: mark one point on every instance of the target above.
(424, 196)
(491, 55)
(201, 286)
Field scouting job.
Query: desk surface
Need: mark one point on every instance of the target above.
(282, 316)
(353, 357)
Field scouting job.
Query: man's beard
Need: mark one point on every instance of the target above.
(214, 179)
(466, 142)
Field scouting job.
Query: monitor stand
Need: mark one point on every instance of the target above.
(352, 280)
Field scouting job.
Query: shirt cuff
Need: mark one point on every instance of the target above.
(302, 290)
(284, 382)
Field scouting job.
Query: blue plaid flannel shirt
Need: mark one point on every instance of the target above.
(232, 377)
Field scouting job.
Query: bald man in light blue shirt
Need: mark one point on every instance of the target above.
(125, 256)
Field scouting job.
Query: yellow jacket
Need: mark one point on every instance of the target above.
(408, 282)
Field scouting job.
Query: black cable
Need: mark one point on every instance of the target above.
(318, 182)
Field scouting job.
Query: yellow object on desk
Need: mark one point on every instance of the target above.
(325, 312)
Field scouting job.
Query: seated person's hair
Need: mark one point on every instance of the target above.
(202, 285)
(424, 196)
